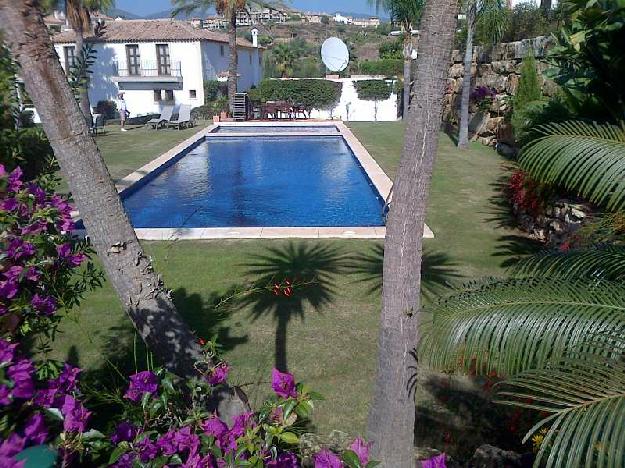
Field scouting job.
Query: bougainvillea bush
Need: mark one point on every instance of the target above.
(157, 419)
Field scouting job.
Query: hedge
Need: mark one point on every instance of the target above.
(313, 94)
(373, 90)
(386, 67)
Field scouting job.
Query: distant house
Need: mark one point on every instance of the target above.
(339, 18)
(371, 22)
(215, 22)
(159, 62)
(314, 18)
(261, 16)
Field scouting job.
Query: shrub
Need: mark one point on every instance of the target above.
(528, 91)
(313, 94)
(385, 67)
(212, 89)
(107, 108)
(392, 49)
(482, 97)
(373, 90)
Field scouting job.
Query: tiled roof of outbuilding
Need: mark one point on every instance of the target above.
(151, 30)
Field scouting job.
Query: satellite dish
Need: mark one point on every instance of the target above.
(334, 54)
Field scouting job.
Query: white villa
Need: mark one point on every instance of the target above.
(159, 62)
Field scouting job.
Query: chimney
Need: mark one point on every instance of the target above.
(254, 37)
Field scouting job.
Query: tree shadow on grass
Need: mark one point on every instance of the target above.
(437, 271)
(500, 211)
(457, 415)
(287, 280)
(515, 248)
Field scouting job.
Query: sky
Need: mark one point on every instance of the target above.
(142, 7)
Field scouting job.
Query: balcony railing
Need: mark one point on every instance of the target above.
(148, 71)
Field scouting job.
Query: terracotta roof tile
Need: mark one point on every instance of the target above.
(152, 30)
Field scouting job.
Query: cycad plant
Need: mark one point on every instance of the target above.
(556, 327)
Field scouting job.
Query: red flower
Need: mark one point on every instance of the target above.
(288, 291)
(201, 341)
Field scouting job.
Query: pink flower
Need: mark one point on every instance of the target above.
(361, 448)
(327, 459)
(283, 384)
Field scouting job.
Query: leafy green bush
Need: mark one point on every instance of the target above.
(373, 90)
(386, 67)
(392, 50)
(528, 92)
(107, 108)
(313, 94)
(212, 90)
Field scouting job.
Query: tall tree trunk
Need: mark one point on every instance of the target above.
(465, 96)
(407, 71)
(129, 270)
(392, 414)
(233, 65)
(83, 85)
(545, 5)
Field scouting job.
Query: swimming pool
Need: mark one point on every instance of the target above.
(239, 181)
(277, 128)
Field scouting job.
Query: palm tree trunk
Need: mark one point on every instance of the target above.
(130, 272)
(407, 71)
(463, 134)
(392, 414)
(280, 343)
(83, 85)
(232, 67)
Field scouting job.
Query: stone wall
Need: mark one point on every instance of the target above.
(497, 68)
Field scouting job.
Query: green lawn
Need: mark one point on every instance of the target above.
(331, 346)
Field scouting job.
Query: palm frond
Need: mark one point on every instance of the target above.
(584, 397)
(514, 325)
(582, 157)
(600, 262)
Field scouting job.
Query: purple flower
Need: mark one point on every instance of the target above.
(218, 374)
(327, 459)
(167, 443)
(214, 427)
(125, 461)
(68, 378)
(124, 432)
(18, 249)
(439, 461)
(37, 227)
(44, 304)
(65, 253)
(186, 440)
(12, 446)
(21, 373)
(32, 274)
(13, 273)
(75, 415)
(241, 423)
(10, 462)
(147, 449)
(140, 383)
(15, 182)
(9, 204)
(35, 429)
(284, 460)
(8, 289)
(37, 192)
(361, 448)
(283, 384)
(7, 351)
(5, 395)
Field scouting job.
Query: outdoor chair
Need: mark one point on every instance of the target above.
(98, 124)
(163, 119)
(184, 118)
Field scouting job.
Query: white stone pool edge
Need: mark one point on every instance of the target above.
(375, 173)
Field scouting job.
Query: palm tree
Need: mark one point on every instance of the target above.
(407, 14)
(556, 327)
(492, 16)
(78, 14)
(392, 414)
(284, 59)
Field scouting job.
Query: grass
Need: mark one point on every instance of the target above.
(331, 346)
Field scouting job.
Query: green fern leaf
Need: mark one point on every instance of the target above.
(582, 157)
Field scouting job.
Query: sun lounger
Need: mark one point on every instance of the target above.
(164, 118)
(184, 118)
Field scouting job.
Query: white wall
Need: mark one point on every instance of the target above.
(214, 63)
(351, 108)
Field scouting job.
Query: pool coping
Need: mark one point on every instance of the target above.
(374, 172)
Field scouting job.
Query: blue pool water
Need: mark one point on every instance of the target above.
(259, 181)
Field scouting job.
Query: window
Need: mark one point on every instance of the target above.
(133, 59)
(193, 94)
(164, 63)
(157, 95)
(70, 57)
(169, 94)
(222, 50)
